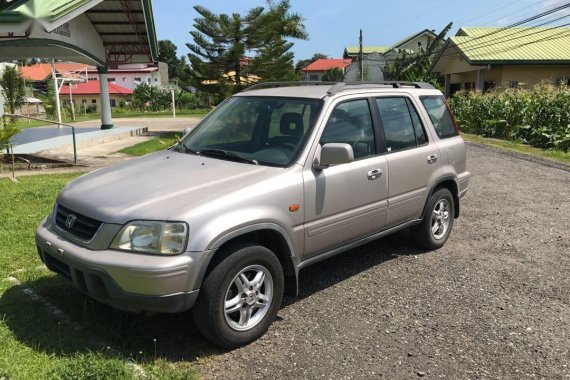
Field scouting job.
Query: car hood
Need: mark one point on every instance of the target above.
(161, 186)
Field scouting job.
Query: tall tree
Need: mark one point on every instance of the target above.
(13, 88)
(178, 69)
(416, 68)
(220, 44)
(274, 60)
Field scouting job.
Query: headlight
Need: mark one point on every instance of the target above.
(152, 237)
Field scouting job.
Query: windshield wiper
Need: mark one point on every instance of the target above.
(187, 149)
(225, 153)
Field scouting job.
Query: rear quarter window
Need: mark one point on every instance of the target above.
(439, 115)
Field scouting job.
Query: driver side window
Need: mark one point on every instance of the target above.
(350, 123)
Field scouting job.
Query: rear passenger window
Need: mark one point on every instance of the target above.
(402, 126)
(439, 115)
(350, 123)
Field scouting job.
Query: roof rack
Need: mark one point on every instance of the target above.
(395, 84)
(259, 86)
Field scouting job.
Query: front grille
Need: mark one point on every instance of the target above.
(83, 226)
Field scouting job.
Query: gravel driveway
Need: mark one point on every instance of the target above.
(494, 302)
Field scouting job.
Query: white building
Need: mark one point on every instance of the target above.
(130, 76)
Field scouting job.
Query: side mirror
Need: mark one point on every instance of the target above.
(187, 130)
(333, 154)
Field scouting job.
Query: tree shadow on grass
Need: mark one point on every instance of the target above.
(173, 337)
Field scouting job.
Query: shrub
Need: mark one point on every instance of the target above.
(539, 116)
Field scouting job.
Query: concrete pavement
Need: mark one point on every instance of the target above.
(104, 152)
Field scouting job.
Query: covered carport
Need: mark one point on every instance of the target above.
(104, 33)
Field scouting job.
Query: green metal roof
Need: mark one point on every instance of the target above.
(409, 38)
(44, 9)
(513, 45)
(366, 49)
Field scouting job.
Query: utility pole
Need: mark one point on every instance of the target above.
(173, 104)
(361, 57)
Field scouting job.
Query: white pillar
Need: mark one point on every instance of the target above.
(106, 118)
(56, 94)
(480, 84)
(447, 85)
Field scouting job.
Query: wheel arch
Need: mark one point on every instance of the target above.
(449, 183)
(268, 235)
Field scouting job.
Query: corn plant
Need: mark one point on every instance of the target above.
(539, 116)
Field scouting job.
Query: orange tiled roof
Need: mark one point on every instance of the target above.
(325, 63)
(41, 71)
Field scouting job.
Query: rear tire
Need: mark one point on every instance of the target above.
(433, 231)
(240, 296)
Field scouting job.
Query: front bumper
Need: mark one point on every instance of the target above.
(127, 281)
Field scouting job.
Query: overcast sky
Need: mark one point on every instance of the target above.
(334, 24)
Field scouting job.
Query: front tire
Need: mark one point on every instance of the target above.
(433, 231)
(240, 296)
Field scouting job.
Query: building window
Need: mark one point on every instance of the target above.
(156, 79)
(561, 82)
(314, 77)
(92, 79)
(148, 80)
(94, 101)
(124, 79)
(514, 84)
(138, 80)
(83, 101)
(113, 103)
(110, 79)
(488, 85)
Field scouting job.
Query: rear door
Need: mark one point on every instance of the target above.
(346, 202)
(412, 159)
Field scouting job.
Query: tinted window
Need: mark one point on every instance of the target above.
(266, 129)
(397, 122)
(420, 132)
(350, 123)
(439, 115)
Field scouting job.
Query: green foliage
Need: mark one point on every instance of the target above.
(333, 75)
(539, 116)
(416, 68)
(90, 367)
(220, 43)
(8, 128)
(13, 88)
(178, 69)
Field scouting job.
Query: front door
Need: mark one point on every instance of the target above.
(346, 202)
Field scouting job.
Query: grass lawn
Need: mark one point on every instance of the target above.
(555, 155)
(159, 143)
(96, 341)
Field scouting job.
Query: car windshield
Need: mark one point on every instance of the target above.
(256, 130)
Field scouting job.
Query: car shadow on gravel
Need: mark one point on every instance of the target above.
(329, 272)
(93, 327)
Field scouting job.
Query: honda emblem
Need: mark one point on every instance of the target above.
(70, 221)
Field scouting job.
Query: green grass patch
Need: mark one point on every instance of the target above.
(551, 154)
(36, 345)
(159, 143)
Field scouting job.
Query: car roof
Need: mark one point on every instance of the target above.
(319, 90)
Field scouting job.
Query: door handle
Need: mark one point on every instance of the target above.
(374, 174)
(431, 159)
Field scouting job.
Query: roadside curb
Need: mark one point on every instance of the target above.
(523, 156)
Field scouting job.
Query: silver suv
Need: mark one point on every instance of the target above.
(273, 180)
